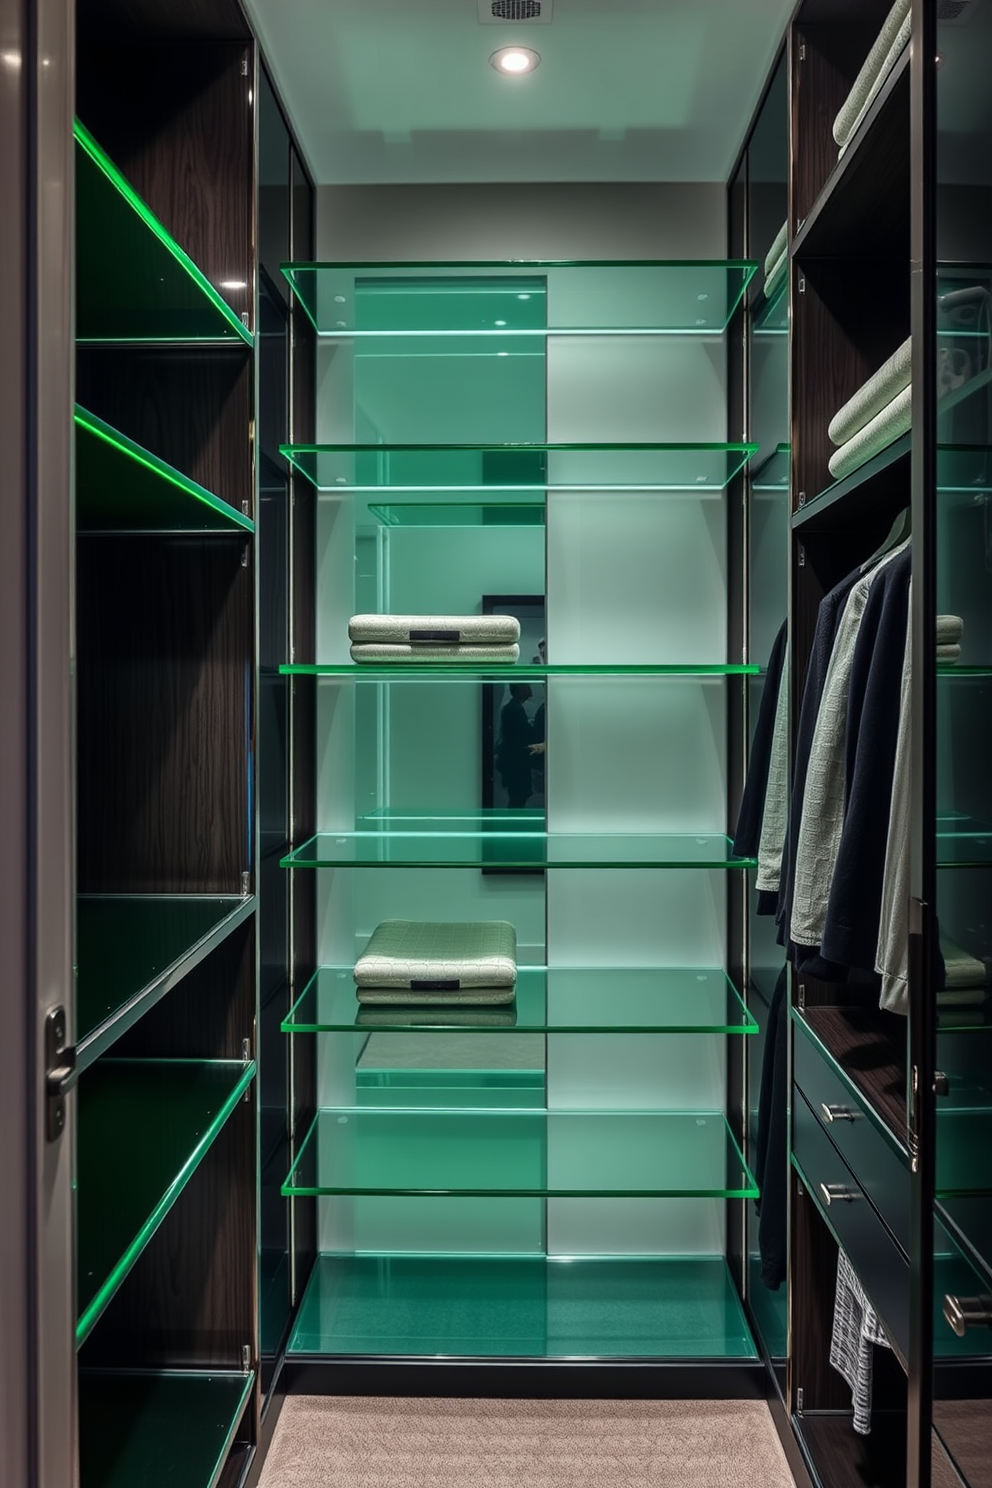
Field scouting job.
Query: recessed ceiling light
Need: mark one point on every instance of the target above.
(515, 61)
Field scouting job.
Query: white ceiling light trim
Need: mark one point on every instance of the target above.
(515, 61)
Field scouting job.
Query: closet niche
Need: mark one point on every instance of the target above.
(562, 1175)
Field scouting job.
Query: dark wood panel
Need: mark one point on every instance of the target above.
(845, 1460)
(164, 650)
(190, 1298)
(813, 1276)
(870, 1046)
(210, 1013)
(191, 408)
(192, 19)
(177, 121)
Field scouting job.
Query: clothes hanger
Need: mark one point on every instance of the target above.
(900, 530)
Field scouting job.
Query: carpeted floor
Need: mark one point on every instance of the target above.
(345, 1442)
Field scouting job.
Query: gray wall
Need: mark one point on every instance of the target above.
(667, 220)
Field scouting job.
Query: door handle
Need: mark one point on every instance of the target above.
(963, 1313)
(836, 1113)
(838, 1193)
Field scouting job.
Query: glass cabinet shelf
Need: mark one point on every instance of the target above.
(131, 949)
(475, 842)
(519, 299)
(522, 1306)
(963, 842)
(457, 671)
(968, 1222)
(146, 288)
(121, 487)
(771, 474)
(520, 1154)
(484, 470)
(158, 1428)
(144, 1128)
(548, 1000)
(459, 513)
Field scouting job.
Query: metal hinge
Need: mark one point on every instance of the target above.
(802, 498)
(245, 883)
(802, 51)
(245, 319)
(60, 1069)
(244, 66)
(801, 283)
(802, 997)
(799, 1401)
(246, 1359)
(246, 1050)
(244, 557)
(802, 556)
(244, 507)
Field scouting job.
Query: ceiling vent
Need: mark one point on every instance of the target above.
(956, 12)
(513, 12)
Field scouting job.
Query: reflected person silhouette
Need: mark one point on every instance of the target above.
(513, 760)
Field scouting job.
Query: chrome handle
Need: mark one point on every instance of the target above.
(963, 1313)
(836, 1113)
(837, 1193)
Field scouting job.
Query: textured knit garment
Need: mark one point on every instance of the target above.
(748, 833)
(775, 817)
(850, 930)
(423, 653)
(874, 395)
(855, 1330)
(771, 1144)
(827, 619)
(892, 959)
(486, 630)
(429, 960)
(884, 54)
(824, 799)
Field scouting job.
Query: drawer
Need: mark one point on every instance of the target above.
(883, 1269)
(878, 1167)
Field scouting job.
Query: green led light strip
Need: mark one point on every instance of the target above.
(120, 184)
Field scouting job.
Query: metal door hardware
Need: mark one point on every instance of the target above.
(60, 1071)
(963, 1313)
(836, 1113)
(941, 1084)
(837, 1193)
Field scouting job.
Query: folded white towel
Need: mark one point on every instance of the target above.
(874, 395)
(382, 651)
(961, 969)
(435, 629)
(949, 653)
(950, 629)
(884, 54)
(896, 418)
(779, 246)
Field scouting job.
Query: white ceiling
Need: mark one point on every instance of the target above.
(387, 91)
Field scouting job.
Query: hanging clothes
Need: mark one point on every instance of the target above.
(749, 818)
(775, 817)
(771, 1158)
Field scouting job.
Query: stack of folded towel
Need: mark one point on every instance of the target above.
(429, 964)
(433, 638)
(878, 413)
(966, 979)
(776, 263)
(949, 631)
(891, 41)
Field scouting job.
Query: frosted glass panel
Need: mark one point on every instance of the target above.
(448, 570)
(612, 388)
(427, 894)
(636, 1072)
(433, 1226)
(636, 1227)
(628, 918)
(635, 579)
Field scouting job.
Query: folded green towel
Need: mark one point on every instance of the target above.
(456, 963)
(896, 418)
(778, 247)
(777, 276)
(440, 1017)
(889, 43)
(874, 395)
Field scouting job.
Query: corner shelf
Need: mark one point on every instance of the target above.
(121, 487)
(771, 317)
(548, 1000)
(771, 475)
(134, 948)
(872, 480)
(148, 289)
(145, 1126)
(520, 1154)
(474, 841)
(484, 470)
(456, 671)
(158, 1428)
(576, 1307)
(539, 297)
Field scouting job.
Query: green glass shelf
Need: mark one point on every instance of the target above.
(964, 474)
(964, 1146)
(521, 1154)
(483, 470)
(951, 669)
(771, 317)
(459, 513)
(968, 1223)
(771, 475)
(506, 301)
(963, 842)
(159, 1429)
(144, 288)
(622, 1307)
(548, 1000)
(132, 949)
(144, 1127)
(474, 843)
(457, 671)
(121, 487)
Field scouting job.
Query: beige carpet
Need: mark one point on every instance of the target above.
(344, 1442)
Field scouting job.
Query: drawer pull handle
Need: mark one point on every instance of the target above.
(963, 1313)
(837, 1193)
(836, 1113)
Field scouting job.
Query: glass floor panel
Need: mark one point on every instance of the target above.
(452, 845)
(548, 1000)
(522, 1307)
(121, 487)
(512, 1153)
(131, 949)
(146, 288)
(454, 670)
(509, 300)
(144, 1127)
(159, 1430)
(485, 470)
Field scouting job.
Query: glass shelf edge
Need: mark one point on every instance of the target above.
(106, 1292)
(471, 672)
(120, 183)
(166, 472)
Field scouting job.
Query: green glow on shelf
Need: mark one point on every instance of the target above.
(122, 186)
(94, 487)
(455, 671)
